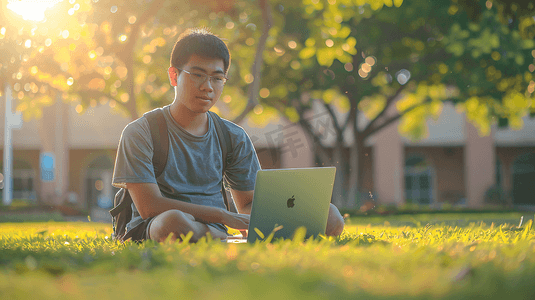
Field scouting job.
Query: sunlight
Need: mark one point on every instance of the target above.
(31, 10)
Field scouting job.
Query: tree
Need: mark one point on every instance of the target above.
(26, 41)
(391, 62)
(114, 53)
(363, 61)
(138, 58)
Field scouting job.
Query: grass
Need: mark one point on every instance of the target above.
(450, 256)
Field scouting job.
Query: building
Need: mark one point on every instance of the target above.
(453, 164)
(456, 165)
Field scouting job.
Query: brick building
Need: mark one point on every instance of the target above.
(453, 164)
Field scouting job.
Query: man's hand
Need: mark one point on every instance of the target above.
(236, 221)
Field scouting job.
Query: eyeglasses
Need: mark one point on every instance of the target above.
(200, 78)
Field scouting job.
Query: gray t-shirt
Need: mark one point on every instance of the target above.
(193, 172)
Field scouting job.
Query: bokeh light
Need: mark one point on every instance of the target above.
(279, 50)
(292, 44)
(403, 76)
(264, 92)
(531, 87)
(31, 10)
(370, 60)
(249, 78)
(99, 185)
(258, 109)
(125, 97)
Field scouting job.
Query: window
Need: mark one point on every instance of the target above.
(523, 179)
(23, 181)
(23, 184)
(98, 186)
(498, 172)
(418, 181)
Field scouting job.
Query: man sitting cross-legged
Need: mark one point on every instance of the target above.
(187, 195)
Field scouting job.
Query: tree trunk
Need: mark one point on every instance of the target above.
(362, 194)
(254, 87)
(352, 200)
(357, 194)
(339, 163)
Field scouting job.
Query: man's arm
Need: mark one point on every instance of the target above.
(243, 200)
(150, 202)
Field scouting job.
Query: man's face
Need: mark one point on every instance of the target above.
(198, 97)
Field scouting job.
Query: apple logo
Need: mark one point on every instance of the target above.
(290, 202)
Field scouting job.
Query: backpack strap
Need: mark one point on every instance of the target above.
(226, 148)
(160, 141)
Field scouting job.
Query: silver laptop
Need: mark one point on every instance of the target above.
(286, 199)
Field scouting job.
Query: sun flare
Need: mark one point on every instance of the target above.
(31, 10)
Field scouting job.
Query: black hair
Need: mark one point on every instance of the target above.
(202, 42)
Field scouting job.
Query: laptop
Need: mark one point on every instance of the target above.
(287, 199)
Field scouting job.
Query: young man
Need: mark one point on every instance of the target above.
(187, 196)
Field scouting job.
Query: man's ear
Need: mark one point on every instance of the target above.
(173, 74)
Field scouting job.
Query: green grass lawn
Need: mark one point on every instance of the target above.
(433, 256)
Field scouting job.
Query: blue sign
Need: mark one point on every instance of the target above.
(48, 166)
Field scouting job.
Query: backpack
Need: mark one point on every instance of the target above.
(121, 213)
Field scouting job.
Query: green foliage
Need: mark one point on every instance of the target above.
(119, 56)
(467, 48)
(499, 82)
(397, 62)
(79, 260)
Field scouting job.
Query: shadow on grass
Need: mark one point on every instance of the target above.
(19, 217)
(444, 219)
(362, 239)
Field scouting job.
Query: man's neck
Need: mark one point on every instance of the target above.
(192, 122)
